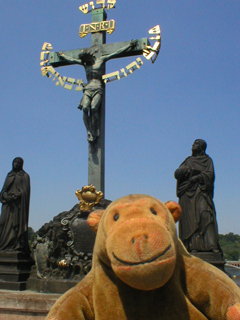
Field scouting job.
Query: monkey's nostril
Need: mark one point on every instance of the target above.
(133, 240)
(146, 237)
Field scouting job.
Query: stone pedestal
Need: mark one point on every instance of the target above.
(14, 270)
(25, 305)
(59, 286)
(62, 251)
(214, 258)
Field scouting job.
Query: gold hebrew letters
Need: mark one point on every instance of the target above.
(85, 7)
(47, 46)
(151, 53)
(61, 81)
(123, 72)
(132, 67)
(47, 70)
(79, 85)
(102, 2)
(92, 5)
(155, 30)
(116, 75)
(111, 4)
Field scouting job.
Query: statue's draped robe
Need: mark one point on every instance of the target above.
(198, 226)
(15, 213)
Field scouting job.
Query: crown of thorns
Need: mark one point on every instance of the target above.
(86, 53)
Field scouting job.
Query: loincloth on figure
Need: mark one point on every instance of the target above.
(91, 93)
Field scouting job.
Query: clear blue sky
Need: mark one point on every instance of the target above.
(152, 116)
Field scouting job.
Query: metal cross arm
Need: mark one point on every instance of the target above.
(102, 50)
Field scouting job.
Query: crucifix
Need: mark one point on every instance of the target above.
(93, 59)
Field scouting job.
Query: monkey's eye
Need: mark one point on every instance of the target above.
(153, 211)
(116, 216)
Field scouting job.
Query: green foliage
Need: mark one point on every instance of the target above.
(230, 244)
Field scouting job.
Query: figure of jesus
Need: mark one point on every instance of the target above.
(93, 90)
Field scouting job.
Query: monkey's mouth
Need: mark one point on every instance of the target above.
(129, 263)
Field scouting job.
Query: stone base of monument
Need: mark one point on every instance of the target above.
(50, 285)
(214, 258)
(25, 305)
(63, 251)
(14, 270)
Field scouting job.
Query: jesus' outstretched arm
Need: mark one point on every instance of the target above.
(132, 44)
(68, 58)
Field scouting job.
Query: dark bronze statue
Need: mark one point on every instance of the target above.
(93, 90)
(195, 186)
(15, 197)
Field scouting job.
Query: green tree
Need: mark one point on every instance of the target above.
(234, 254)
(230, 244)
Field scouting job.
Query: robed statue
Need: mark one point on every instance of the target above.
(195, 186)
(15, 197)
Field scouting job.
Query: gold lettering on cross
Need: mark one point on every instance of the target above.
(108, 26)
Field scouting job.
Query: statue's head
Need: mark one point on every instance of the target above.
(17, 164)
(87, 56)
(199, 147)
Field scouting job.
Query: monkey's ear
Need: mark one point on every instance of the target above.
(175, 209)
(94, 219)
